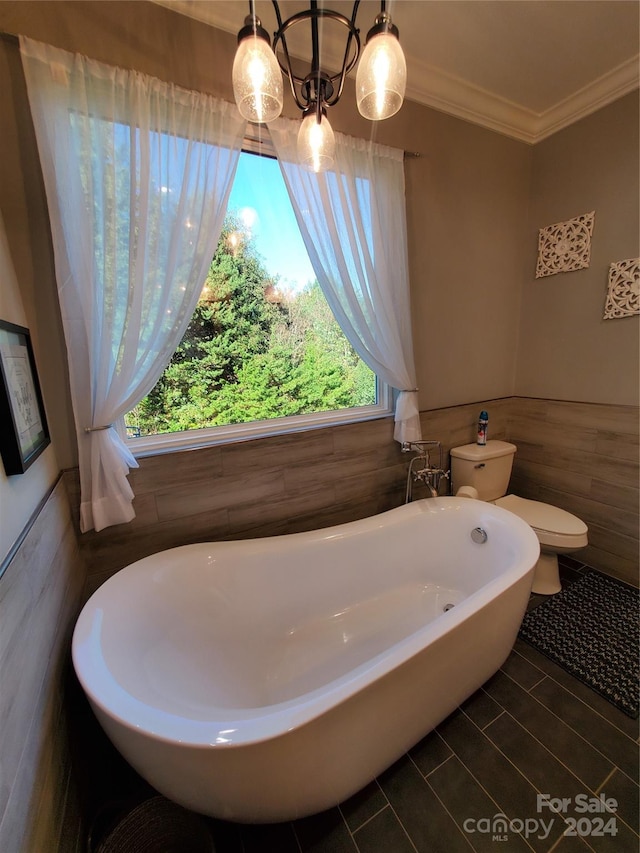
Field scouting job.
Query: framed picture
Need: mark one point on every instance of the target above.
(23, 433)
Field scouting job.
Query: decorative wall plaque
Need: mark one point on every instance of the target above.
(623, 294)
(565, 246)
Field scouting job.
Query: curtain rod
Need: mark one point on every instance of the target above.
(11, 38)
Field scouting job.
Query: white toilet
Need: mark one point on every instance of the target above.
(483, 472)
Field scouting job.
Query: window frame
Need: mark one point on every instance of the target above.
(256, 141)
(152, 445)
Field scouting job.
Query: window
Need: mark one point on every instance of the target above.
(263, 353)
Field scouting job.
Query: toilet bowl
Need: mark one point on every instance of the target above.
(558, 531)
(483, 472)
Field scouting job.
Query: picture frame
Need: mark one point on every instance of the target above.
(24, 433)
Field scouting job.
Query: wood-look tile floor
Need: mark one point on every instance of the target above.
(531, 729)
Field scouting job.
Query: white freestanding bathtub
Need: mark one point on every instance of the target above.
(268, 679)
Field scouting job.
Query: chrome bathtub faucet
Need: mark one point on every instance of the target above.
(429, 475)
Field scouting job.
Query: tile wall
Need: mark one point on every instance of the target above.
(281, 484)
(582, 457)
(40, 593)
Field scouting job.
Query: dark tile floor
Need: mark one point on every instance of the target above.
(530, 730)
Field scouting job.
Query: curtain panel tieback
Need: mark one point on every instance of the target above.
(98, 428)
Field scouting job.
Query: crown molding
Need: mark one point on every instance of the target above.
(434, 88)
(606, 89)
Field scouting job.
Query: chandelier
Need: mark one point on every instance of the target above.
(258, 70)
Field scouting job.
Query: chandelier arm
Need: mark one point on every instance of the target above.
(354, 33)
(315, 45)
(305, 15)
(277, 11)
(286, 69)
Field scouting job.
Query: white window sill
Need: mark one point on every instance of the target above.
(153, 445)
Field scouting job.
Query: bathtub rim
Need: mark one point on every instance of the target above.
(236, 727)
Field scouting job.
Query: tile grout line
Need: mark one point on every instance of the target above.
(295, 835)
(497, 716)
(403, 827)
(365, 822)
(615, 814)
(344, 820)
(433, 769)
(533, 686)
(602, 784)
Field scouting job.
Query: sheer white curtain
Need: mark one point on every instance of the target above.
(137, 174)
(353, 224)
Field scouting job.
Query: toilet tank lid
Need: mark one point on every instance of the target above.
(480, 452)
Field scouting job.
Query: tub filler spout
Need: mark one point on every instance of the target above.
(422, 470)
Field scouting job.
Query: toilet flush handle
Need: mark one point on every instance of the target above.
(479, 465)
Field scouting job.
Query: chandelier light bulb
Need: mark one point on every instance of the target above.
(381, 78)
(257, 80)
(316, 143)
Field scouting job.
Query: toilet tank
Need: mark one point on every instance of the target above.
(486, 467)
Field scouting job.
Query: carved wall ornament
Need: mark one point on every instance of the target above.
(565, 246)
(623, 294)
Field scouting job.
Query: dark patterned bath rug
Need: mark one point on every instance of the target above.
(591, 629)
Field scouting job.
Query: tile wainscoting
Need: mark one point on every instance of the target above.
(281, 484)
(40, 593)
(583, 457)
(579, 456)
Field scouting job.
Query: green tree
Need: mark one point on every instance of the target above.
(231, 323)
(251, 353)
(329, 353)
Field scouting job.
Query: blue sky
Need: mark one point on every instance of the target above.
(261, 198)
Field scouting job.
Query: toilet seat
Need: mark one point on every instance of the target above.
(554, 527)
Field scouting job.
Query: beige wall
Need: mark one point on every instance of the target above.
(567, 351)
(20, 494)
(466, 203)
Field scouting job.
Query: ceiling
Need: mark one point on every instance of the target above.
(525, 68)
